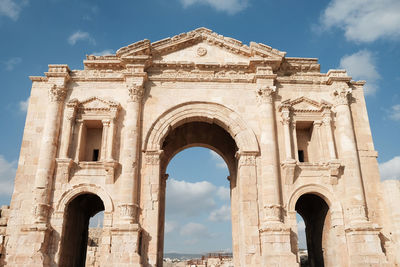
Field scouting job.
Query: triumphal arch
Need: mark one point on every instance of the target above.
(295, 141)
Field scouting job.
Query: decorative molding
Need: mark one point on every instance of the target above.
(57, 93)
(246, 158)
(153, 157)
(201, 51)
(136, 92)
(128, 211)
(273, 213)
(341, 96)
(265, 94)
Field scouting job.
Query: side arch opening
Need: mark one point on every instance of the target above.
(314, 211)
(76, 228)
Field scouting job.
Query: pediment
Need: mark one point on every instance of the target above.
(200, 45)
(96, 103)
(304, 104)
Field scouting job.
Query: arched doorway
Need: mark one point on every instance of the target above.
(197, 206)
(202, 134)
(314, 210)
(212, 126)
(76, 228)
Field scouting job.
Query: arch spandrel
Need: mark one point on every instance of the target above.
(80, 189)
(201, 111)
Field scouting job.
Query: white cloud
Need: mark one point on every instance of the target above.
(219, 161)
(364, 20)
(222, 214)
(104, 52)
(193, 229)
(7, 175)
(11, 8)
(361, 66)
(394, 113)
(169, 226)
(390, 169)
(80, 36)
(23, 105)
(229, 6)
(301, 230)
(224, 193)
(189, 199)
(12, 63)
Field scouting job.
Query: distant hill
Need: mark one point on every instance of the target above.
(182, 256)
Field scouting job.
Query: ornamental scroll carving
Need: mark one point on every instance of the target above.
(136, 92)
(265, 94)
(341, 96)
(57, 93)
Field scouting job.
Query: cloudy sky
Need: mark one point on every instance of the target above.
(362, 36)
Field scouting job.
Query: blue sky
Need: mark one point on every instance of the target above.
(362, 36)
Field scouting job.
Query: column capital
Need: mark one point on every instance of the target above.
(265, 94)
(153, 157)
(341, 96)
(136, 92)
(286, 119)
(57, 93)
(246, 158)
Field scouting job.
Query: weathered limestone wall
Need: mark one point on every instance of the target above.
(127, 104)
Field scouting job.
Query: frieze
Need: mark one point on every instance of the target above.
(97, 75)
(203, 76)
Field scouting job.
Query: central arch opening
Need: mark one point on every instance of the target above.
(196, 208)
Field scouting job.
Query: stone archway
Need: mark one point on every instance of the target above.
(323, 218)
(219, 128)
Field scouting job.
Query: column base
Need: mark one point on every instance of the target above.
(276, 246)
(124, 249)
(31, 248)
(364, 245)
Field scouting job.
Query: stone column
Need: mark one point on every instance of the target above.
(67, 129)
(355, 203)
(320, 148)
(110, 139)
(47, 154)
(104, 139)
(327, 122)
(286, 120)
(270, 163)
(129, 183)
(249, 241)
(152, 208)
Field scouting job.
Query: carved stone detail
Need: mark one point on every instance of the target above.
(201, 51)
(341, 96)
(57, 93)
(153, 157)
(136, 92)
(246, 159)
(127, 210)
(273, 212)
(357, 213)
(265, 94)
(41, 212)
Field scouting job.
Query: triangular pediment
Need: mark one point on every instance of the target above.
(96, 103)
(304, 104)
(200, 45)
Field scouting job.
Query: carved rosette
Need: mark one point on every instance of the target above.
(273, 212)
(341, 96)
(128, 211)
(41, 212)
(136, 92)
(265, 94)
(57, 93)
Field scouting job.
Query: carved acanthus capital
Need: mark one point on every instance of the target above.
(128, 211)
(57, 93)
(71, 109)
(341, 96)
(246, 158)
(273, 213)
(265, 94)
(136, 92)
(153, 157)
